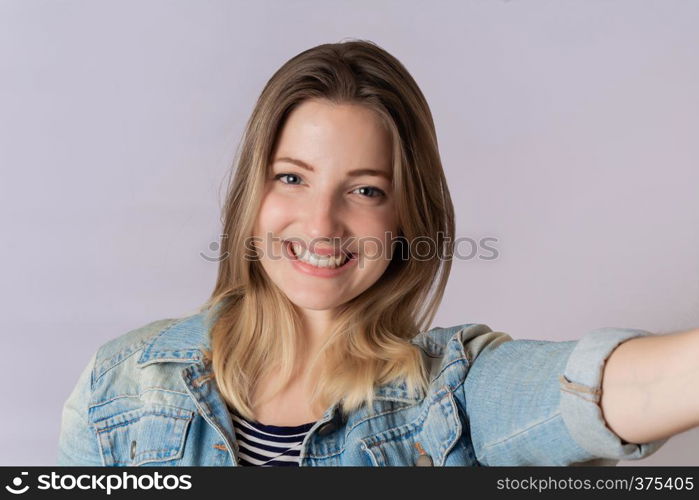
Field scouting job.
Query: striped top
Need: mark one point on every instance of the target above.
(268, 445)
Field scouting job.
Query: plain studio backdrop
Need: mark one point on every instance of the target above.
(567, 129)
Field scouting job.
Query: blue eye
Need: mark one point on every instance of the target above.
(278, 176)
(378, 192)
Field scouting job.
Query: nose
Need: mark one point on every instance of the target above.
(322, 216)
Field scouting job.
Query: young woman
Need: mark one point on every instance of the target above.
(314, 347)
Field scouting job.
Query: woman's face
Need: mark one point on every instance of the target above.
(329, 190)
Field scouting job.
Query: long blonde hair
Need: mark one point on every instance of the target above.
(256, 327)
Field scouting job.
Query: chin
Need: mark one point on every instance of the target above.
(319, 303)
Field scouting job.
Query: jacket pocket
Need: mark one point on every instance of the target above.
(153, 433)
(427, 440)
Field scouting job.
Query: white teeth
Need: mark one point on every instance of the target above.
(317, 260)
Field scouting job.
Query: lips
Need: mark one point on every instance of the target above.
(321, 252)
(319, 269)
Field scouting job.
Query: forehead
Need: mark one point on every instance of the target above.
(345, 135)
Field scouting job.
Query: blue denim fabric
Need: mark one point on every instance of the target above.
(148, 398)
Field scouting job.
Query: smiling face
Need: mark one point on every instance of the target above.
(329, 186)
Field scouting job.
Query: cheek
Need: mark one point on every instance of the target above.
(376, 233)
(274, 214)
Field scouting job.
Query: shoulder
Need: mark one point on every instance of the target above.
(448, 353)
(116, 350)
(155, 340)
(467, 340)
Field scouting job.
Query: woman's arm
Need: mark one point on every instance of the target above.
(535, 402)
(650, 387)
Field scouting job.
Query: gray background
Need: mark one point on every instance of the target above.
(567, 131)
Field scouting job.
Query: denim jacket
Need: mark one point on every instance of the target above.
(149, 398)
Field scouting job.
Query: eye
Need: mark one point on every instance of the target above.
(378, 193)
(279, 176)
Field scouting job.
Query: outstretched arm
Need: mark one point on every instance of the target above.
(650, 387)
(536, 402)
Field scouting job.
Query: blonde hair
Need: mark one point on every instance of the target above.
(256, 327)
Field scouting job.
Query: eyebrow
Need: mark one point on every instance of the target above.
(352, 173)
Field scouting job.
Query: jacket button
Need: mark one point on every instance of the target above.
(326, 428)
(133, 449)
(424, 461)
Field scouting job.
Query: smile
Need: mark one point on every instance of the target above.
(319, 265)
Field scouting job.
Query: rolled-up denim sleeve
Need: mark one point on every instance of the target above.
(531, 402)
(77, 441)
(581, 391)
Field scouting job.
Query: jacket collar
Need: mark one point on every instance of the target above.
(184, 341)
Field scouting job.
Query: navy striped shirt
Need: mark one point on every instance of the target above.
(268, 445)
